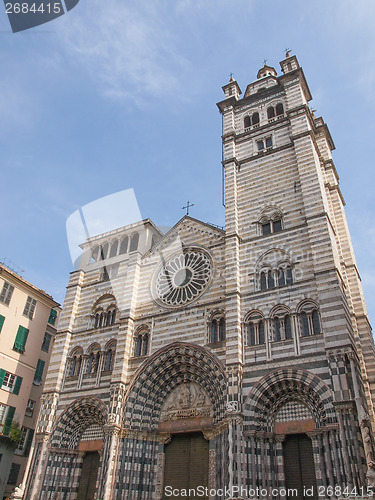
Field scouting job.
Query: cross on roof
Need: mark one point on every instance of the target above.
(265, 61)
(187, 207)
(287, 52)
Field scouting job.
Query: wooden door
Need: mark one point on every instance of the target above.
(299, 466)
(87, 480)
(186, 464)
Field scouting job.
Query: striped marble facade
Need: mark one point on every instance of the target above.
(297, 351)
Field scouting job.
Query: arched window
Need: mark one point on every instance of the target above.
(310, 320)
(282, 326)
(276, 329)
(262, 338)
(271, 225)
(281, 276)
(138, 346)
(114, 248)
(263, 281)
(251, 334)
(104, 251)
(108, 360)
(109, 356)
(222, 329)
(73, 366)
(213, 331)
(141, 343)
(93, 360)
(289, 275)
(247, 122)
(305, 324)
(276, 225)
(285, 276)
(145, 344)
(217, 329)
(104, 311)
(124, 245)
(90, 363)
(97, 320)
(75, 363)
(316, 322)
(255, 118)
(279, 109)
(270, 112)
(112, 315)
(288, 327)
(134, 242)
(271, 281)
(266, 227)
(255, 330)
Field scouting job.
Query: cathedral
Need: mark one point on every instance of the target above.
(220, 363)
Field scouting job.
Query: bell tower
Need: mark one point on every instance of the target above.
(290, 260)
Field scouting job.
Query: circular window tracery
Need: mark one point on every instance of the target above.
(183, 278)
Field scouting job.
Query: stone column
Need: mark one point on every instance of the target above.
(349, 480)
(82, 369)
(280, 474)
(364, 425)
(160, 466)
(100, 367)
(112, 433)
(36, 482)
(295, 332)
(212, 468)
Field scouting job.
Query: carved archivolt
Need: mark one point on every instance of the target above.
(186, 400)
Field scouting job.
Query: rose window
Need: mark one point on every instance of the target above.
(183, 278)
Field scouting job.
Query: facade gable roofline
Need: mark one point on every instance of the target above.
(185, 219)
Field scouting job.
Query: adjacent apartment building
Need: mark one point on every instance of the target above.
(28, 318)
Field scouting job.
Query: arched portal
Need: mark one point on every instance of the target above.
(175, 398)
(74, 451)
(177, 364)
(290, 414)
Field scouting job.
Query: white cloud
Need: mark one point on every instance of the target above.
(127, 49)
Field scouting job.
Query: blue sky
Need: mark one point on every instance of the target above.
(122, 94)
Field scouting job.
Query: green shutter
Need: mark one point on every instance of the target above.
(52, 317)
(2, 318)
(28, 443)
(8, 420)
(17, 385)
(2, 375)
(39, 371)
(20, 341)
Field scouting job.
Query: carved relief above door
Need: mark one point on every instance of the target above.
(187, 408)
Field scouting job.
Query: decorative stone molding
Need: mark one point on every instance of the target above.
(164, 438)
(111, 429)
(186, 400)
(344, 406)
(232, 406)
(215, 431)
(116, 406)
(212, 469)
(159, 476)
